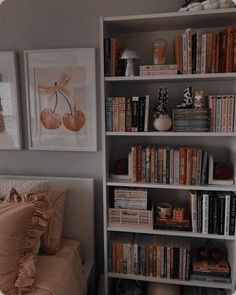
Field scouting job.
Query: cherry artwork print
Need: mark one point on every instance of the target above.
(73, 120)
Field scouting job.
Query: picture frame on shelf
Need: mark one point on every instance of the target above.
(10, 136)
(61, 99)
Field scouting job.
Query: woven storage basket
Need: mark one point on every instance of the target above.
(130, 217)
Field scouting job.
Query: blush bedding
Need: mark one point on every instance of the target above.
(61, 273)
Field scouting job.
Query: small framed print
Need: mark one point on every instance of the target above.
(10, 137)
(61, 99)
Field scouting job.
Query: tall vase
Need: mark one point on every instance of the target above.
(162, 123)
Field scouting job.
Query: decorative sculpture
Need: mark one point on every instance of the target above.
(188, 98)
(198, 99)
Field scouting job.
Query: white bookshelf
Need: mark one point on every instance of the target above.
(138, 32)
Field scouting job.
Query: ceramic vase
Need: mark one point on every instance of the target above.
(162, 123)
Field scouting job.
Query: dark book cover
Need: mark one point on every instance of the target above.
(232, 214)
(221, 213)
(188, 264)
(211, 214)
(194, 52)
(135, 101)
(107, 52)
(108, 113)
(215, 216)
(176, 264)
(141, 113)
(128, 114)
(165, 262)
(204, 174)
(199, 212)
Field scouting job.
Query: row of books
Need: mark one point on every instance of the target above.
(200, 53)
(213, 212)
(127, 113)
(168, 165)
(223, 113)
(128, 198)
(150, 256)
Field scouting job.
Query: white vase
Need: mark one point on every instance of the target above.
(162, 123)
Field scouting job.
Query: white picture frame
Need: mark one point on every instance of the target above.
(10, 136)
(61, 99)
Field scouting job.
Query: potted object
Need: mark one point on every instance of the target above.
(162, 121)
(129, 56)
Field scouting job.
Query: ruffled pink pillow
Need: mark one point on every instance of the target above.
(33, 231)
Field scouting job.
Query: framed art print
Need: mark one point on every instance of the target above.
(61, 99)
(10, 137)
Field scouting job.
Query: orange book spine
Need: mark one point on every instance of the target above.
(182, 166)
(230, 48)
(178, 53)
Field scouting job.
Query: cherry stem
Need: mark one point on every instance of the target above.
(55, 103)
(66, 100)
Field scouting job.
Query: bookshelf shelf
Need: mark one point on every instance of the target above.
(174, 134)
(171, 281)
(173, 78)
(170, 233)
(171, 21)
(134, 31)
(127, 183)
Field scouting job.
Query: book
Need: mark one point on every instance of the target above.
(115, 114)
(212, 106)
(230, 31)
(230, 112)
(177, 44)
(221, 212)
(205, 212)
(157, 72)
(210, 278)
(198, 52)
(107, 54)
(199, 212)
(128, 114)
(141, 113)
(134, 107)
(189, 50)
(185, 53)
(227, 212)
(232, 214)
(116, 48)
(194, 53)
(121, 114)
(108, 114)
(203, 53)
(218, 113)
(224, 113)
(209, 37)
(146, 115)
(158, 67)
(193, 210)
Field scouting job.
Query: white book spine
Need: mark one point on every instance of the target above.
(146, 117)
(205, 213)
(227, 213)
(193, 196)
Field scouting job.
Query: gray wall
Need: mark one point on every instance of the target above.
(48, 24)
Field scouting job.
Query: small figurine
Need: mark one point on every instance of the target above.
(188, 98)
(198, 101)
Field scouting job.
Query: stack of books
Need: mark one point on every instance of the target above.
(127, 114)
(127, 198)
(200, 53)
(156, 70)
(168, 165)
(191, 120)
(223, 110)
(213, 212)
(209, 269)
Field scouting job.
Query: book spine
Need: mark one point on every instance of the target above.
(193, 203)
(194, 53)
(156, 165)
(235, 53)
(178, 53)
(218, 113)
(232, 215)
(135, 102)
(158, 67)
(176, 166)
(199, 213)
(160, 165)
(204, 168)
(141, 113)
(107, 48)
(134, 163)
(115, 114)
(180, 263)
(212, 107)
(209, 52)
(146, 116)
(189, 49)
(221, 214)
(199, 166)
(157, 72)
(139, 163)
(224, 113)
(203, 53)
(230, 48)
(205, 213)
(164, 166)
(128, 114)
(112, 56)
(227, 213)
(152, 164)
(215, 215)
(108, 114)
(143, 164)
(230, 113)
(199, 46)
(121, 114)
(223, 51)
(182, 167)
(211, 214)
(213, 57)
(171, 165)
(217, 52)
(148, 164)
(185, 53)
(194, 167)
(189, 165)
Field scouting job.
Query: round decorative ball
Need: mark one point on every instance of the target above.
(162, 123)
(162, 289)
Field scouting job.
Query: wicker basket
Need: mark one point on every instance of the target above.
(130, 218)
